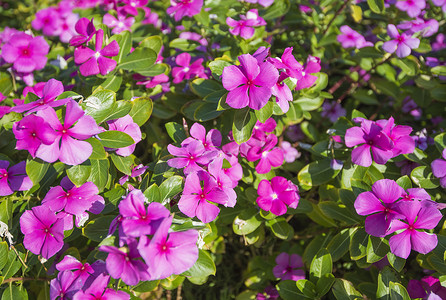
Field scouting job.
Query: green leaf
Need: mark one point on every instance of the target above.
(322, 264)
(176, 132)
(377, 248)
(398, 292)
(309, 104)
(358, 244)
(97, 229)
(439, 70)
(183, 44)
(338, 246)
(204, 266)
(385, 277)
(244, 121)
(396, 262)
(124, 40)
(6, 210)
(120, 109)
(5, 83)
(100, 104)
(324, 284)
(123, 163)
(278, 9)
(218, 65)
(246, 222)
(99, 172)
(12, 266)
(153, 42)
(344, 290)
(36, 169)
(338, 212)
(317, 173)
(404, 182)
(4, 250)
(170, 187)
(98, 149)
(288, 291)
(377, 6)
(439, 92)
(440, 141)
(115, 139)
(139, 59)
(265, 112)
(306, 287)
(203, 87)
(112, 83)
(423, 177)
(13, 292)
(141, 110)
(79, 174)
(295, 113)
(206, 112)
(280, 228)
(146, 286)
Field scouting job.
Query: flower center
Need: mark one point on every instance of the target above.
(187, 69)
(46, 230)
(274, 195)
(97, 55)
(25, 52)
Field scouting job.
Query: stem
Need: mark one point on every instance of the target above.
(21, 260)
(338, 12)
(179, 292)
(12, 279)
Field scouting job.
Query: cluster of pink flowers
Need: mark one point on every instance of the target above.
(257, 78)
(211, 173)
(57, 21)
(277, 195)
(187, 70)
(245, 26)
(13, 178)
(382, 138)
(181, 8)
(389, 209)
(352, 39)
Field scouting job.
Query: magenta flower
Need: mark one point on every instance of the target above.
(131, 6)
(26, 53)
(14, 178)
(189, 156)
(180, 8)
(428, 288)
(96, 61)
(64, 286)
(439, 169)
(379, 205)
(427, 27)
(352, 39)
(289, 267)
(250, 83)
(186, 69)
(43, 231)
(210, 141)
(31, 132)
(439, 43)
(288, 63)
(269, 155)
(418, 215)
(245, 26)
(126, 125)
(75, 200)
(169, 253)
(126, 264)
(332, 111)
(86, 31)
(152, 82)
(401, 43)
(306, 80)
(137, 220)
(80, 270)
(98, 291)
(290, 153)
(283, 93)
(370, 137)
(412, 7)
(47, 20)
(198, 200)
(51, 90)
(118, 24)
(276, 195)
(224, 182)
(264, 3)
(440, 3)
(68, 145)
(269, 293)
(403, 143)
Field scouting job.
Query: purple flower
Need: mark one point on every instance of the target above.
(224, 182)
(283, 93)
(126, 125)
(75, 200)
(189, 156)
(245, 26)
(250, 83)
(276, 195)
(137, 220)
(418, 215)
(131, 6)
(51, 90)
(198, 200)
(118, 24)
(370, 137)
(379, 205)
(43, 231)
(288, 63)
(401, 43)
(264, 3)
(187, 70)
(289, 267)
(47, 20)
(306, 80)
(427, 27)
(210, 141)
(269, 293)
(98, 291)
(68, 145)
(26, 53)
(126, 264)
(439, 169)
(269, 155)
(332, 111)
(181, 8)
(440, 3)
(399, 134)
(14, 178)
(428, 288)
(352, 39)
(412, 7)
(64, 286)
(439, 43)
(80, 270)
(169, 253)
(290, 153)
(96, 61)
(86, 31)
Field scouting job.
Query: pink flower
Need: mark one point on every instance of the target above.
(352, 39)
(282, 92)
(332, 111)
(306, 80)
(13, 178)
(439, 43)
(80, 270)
(186, 69)
(96, 61)
(169, 253)
(403, 143)
(98, 291)
(269, 155)
(245, 26)
(210, 141)
(86, 31)
(120, 24)
(126, 125)
(64, 286)
(276, 195)
(68, 145)
(289, 152)
(189, 156)
(250, 83)
(68, 24)
(288, 63)
(47, 20)
(401, 43)
(412, 7)
(439, 169)
(289, 267)
(264, 3)
(131, 6)
(181, 8)
(43, 231)
(25, 52)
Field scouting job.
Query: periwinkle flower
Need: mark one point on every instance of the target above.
(245, 26)
(269, 155)
(400, 136)
(290, 153)
(80, 270)
(428, 288)
(47, 20)
(250, 83)
(86, 31)
(333, 111)
(189, 156)
(180, 8)
(98, 291)
(400, 43)
(65, 286)
(118, 24)
(276, 195)
(186, 69)
(352, 39)
(126, 125)
(439, 169)
(439, 43)
(283, 93)
(96, 61)
(264, 3)
(289, 267)
(13, 178)
(412, 7)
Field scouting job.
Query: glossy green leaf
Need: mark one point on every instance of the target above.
(79, 174)
(322, 264)
(244, 121)
(36, 169)
(115, 139)
(141, 110)
(204, 266)
(170, 187)
(280, 228)
(139, 59)
(423, 177)
(100, 104)
(317, 173)
(123, 163)
(97, 229)
(344, 290)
